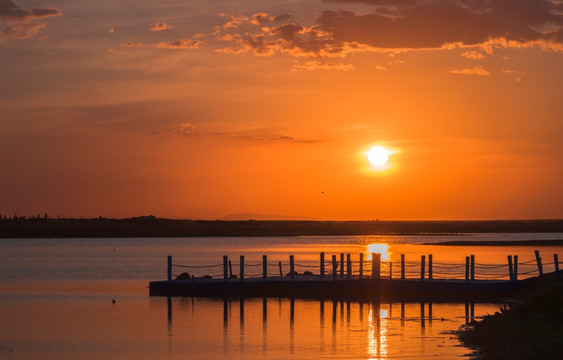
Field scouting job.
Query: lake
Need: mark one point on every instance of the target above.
(57, 300)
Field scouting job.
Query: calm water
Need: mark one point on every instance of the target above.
(56, 301)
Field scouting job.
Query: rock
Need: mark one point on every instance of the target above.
(183, 276)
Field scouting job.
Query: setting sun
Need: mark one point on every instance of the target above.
(378, 155)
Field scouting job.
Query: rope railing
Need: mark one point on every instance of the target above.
(490, 266)
(307, 266)
(196, 266)
(347, 268)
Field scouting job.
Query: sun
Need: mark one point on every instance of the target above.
(378, 155)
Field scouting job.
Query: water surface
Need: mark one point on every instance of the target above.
(56, 301)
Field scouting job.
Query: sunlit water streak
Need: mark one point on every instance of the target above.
(56, 302)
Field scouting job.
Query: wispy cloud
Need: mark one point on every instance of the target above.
(21, 31)
(474, 55)
(160, 26)
(477, 70)
(190, 130)
(515, 73)
(190, 43)
(132, 44)
(322, 65)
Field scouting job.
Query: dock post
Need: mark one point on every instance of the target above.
(556, 261)
(225, 267)
(538, 260)
(322, 271)
(341, 265)
(334, 266)
(348, 267)
(280, 266)
(403, 266)
(515, 268)
(510, 271)
(429, 266)
(467, 268)
(291, 268)
(361, 265)
(242, 268)
(472, 267)
(169, 272)
(422, 263)
(375, 265)
(265, 267)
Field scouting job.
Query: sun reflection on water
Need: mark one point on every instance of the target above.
(382, 249)
(377, 332)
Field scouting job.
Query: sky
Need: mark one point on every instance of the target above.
(266, 109)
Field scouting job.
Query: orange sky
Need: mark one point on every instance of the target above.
(195, 109)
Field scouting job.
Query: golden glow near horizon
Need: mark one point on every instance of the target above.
(270, 109)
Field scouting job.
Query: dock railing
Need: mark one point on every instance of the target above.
(342, 267)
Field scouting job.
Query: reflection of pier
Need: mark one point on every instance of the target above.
(330, 322)
(356, 280)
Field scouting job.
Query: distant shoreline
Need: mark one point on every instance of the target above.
(150, 226)
(558, 242)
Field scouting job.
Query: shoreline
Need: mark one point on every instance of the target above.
(557, 242)
(150, 226)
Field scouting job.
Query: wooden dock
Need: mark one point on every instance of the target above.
(357, 280)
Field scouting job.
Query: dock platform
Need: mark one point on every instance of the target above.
(346, 289)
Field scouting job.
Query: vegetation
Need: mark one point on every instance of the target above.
(530, 329)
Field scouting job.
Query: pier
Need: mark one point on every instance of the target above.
(341, 278)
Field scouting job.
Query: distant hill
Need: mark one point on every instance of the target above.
(150, 226)
(245, 216)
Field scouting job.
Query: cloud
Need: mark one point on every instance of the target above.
(516, 73)
(434, 24)
(322, 65)
(190, 130)
(235, 21)
(189, 43)
(477, 70)
(111, 30)
(11, 12)
(392, 27)
(475, 55)
(292, 38)
(160, 26)
(21, 31)
(282, 17)
(132, 44)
